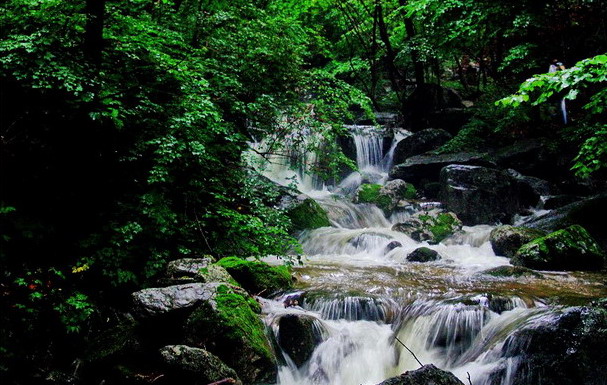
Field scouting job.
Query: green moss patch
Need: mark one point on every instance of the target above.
(308, 215)
(567, 249)
(257, 277)
(229, 328)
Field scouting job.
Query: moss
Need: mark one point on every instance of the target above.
(567, 249)
(308, 215)
(229, 328)
(257, 277)
(410, 192)
(368, 193)
(215, 273)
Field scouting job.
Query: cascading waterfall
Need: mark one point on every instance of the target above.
(367, 298)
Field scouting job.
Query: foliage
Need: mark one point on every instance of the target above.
(587, 80)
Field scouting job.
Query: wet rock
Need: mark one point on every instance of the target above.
(567, 348)
(157, 301)
(426, 375)
(420, 142)
(590, 213)
(479, 195)
(557, 201)
(304, 212)
(433, 226)
(391, 246)
(298, 336)
(256, 276)
(427, 167)
(567, 249)
(423, 254)
(195, 366)
(395, 193)
(512, 271)
(506, 240)
(229, 327)
(530, 189)
(431, 190)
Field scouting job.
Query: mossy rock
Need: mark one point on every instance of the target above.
(370, 193)
(423, 254)
(567, 249)
(307, 214)
(506, 240)
(512, 271)
(257, 277)
(298, 337)
(195, 366)
(215, 273)
(228, 327)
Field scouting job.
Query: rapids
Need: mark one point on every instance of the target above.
(368, 300)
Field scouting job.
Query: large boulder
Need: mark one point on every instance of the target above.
(420, 142)
(567, 249)
(479, 195)
(388, 197)
(590, 213)
(257, 277)
(298, 336)
(566, 348)
(423, 254)
(158, 301)
(195, 366)
(426, 375)
(506, 240)
(227, 325)
(427, 167)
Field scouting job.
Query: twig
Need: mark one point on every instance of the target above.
(413, 354)
(469, 381)
(223, 382)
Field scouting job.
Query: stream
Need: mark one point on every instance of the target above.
(369, 302)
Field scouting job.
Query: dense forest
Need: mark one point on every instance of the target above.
(126, 131)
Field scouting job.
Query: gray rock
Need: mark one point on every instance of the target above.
(391, 246)
(420, 142)
(506, 240)
(196, 366)
(298, 336)
(187, 267)
(423, 254)
(479, 195)
(396, 192)
(428, 167)
(426, 375)
(157, 301)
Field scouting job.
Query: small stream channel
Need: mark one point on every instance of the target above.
(368, 301)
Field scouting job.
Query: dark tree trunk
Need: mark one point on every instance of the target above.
(390, 58)
(417, 64)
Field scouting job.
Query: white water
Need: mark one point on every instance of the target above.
(368, 296)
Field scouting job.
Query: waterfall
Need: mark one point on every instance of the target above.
(366, 297)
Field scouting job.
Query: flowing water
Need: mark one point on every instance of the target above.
(369, 302)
